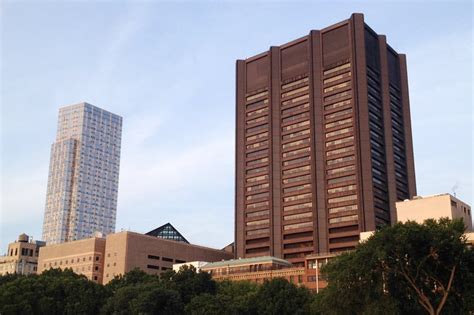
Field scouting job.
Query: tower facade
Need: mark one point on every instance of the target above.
(83, 174)
(323, 142)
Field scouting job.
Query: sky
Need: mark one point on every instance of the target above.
(168, 68)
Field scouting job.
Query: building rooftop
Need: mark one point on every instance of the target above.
(248, 261)
(168, 232)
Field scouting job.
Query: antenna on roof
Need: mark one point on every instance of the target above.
(456, 186)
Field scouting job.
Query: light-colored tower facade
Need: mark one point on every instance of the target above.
(83, 174)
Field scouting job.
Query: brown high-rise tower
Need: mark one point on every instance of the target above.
(324, 145)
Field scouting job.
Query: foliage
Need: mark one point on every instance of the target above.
(408, 268)
(54, 292)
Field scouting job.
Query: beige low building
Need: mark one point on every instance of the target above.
(101, 259)
(85, 257)
(128, 250)
(21, 257)
(420, 209)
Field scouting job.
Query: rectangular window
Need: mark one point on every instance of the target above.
(297, 226)
(259, 222)
(341, 169)
(336, 96)
(297, 197)
(262, 195)
(339, 113)
(257, 170)
(295, 117)
(298, 207)
(337, 77)
(338, 123)
(338, 68)
(252, 106)
(255, 96)
(256, 120)
(337, 87)
(342, 199)
(167, 259)
(258, 111)
(258, 128)
(341, 179)
(296, 179)
(342, 209)
(294, 126)
(258, 136)
(341, 160)
(256, 179)
(262, 160)
(296, 91)
(295, 109)
(297, 170)
(257, 187)
(295, 100)
(258, 204)
(342, 189)
(296, 134)
(295, 143)
(337, 104)
(296, 188)
(258, 213)
(294, 83)
(257, 145)
(298, 160)
(298, 216)
(344, 219)
(258, 232)
(340, 151)
(340, 141)
(153, 267)
(257, 153)
(296, 152)
(153, 257)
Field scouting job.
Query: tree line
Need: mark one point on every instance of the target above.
(405, 269)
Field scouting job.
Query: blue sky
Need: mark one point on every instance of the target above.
(168, 69)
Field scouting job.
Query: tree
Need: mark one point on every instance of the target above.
(278, 296)
(407, 268)
(52, 292)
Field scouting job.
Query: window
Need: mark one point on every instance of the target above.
(255, 96)
(297, 226)
(262, 195)
(342, 189)
(338, 123)
(259, 222)
(298, 216)
(297, 170)
(297, 197)
(341, 179)
(295, 109)
(295, 100)
(96, 268)
(257, 128)
(296, 188)
(337, 105)
(337, 77)
(296, 179)
(258, 204)
(341, 169)
(339, 113)
(297, 207)
(258, 136)
(291, 84)
(262, 160)
(336, 96)
(167, 259)
(257, 187)
(295, 117)
(258, 111)
(335, 69)
(153, 257)
(257, 170)
(258, 232)
(296, 91)
(296, 152)
(340, 151)
(296, 134)
(258, 213)
(96, 258)
(256, 179)
(297, 125)
(153, 267)
(344, 219)
(342, 199)
(337, 87)
(256, 120)
(340, 160)
(340, 141)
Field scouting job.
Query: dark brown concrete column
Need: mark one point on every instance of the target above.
(239, 160)
(387, 122)
(318, 148)
(275, 153)
(407, 126)
(365, 189)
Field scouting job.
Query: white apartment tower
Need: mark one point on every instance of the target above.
(83, 174)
